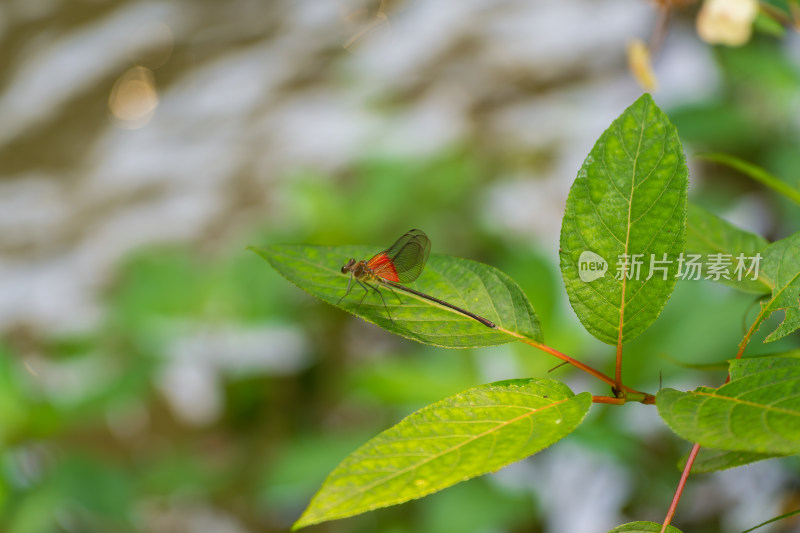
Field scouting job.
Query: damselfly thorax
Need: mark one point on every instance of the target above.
(359, 270)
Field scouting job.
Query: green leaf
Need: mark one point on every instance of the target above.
(748, 366)
(755, 172)
(643, 527)
(757, 411)
(709, 234)
(710, 460)
(476, 287)
(472, 433)
(629, 198)
(781, 262)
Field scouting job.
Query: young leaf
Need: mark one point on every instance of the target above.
(782, 263)
(472, 433)
(643, 527)
(771, 520)
(755, 172)
(628, 201)
(755, 362)
(757, 411)
(707, 235)
(710, 460)
(473, 286)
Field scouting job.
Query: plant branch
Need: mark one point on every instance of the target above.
(696, 448)
(608, 399)
(681, 485)
(660, 31)
(552, 351)
(645, 398)
(641, 397)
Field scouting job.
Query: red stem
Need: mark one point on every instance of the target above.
(681, 484)
(618, 367)
(648, 398)
(660, 31)
(696, 448)
(608, 399)
(552, 351)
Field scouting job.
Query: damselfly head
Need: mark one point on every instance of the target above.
(348, 267)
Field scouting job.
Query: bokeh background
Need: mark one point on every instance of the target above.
(157, 377)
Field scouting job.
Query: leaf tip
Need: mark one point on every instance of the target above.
(306, 519)
(262, 251)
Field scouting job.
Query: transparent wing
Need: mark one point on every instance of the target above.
(405, 259)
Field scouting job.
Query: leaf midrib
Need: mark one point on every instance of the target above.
(628, 229)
